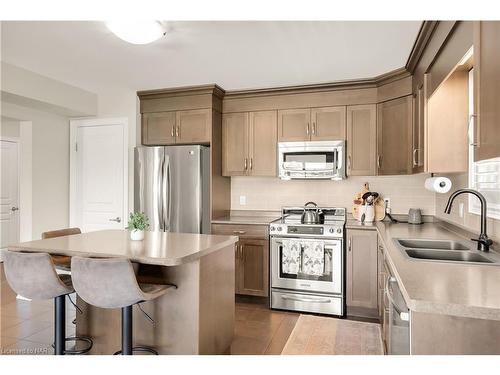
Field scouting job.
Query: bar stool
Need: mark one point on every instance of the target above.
(61, 262)
(33, 276)
(111, 284)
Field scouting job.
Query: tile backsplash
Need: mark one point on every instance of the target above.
(268, 193)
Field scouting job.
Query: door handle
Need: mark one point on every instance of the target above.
(314, 128)
(349, 163)
(239, 232)
(404, 315)
(172, 131)
(14, 209)
(379, 162)
(251, 163)
(349, 246)
(415, 157)
(117, 219)
(177, 131)
(307, 128)
(246, 164)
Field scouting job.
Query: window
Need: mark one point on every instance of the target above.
(484, 175)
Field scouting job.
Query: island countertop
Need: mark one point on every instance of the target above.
(157, 248)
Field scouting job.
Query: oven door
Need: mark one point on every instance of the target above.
(329, 282)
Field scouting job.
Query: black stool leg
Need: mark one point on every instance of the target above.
(60, 325)
(127, 330)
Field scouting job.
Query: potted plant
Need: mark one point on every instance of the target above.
(137, 224)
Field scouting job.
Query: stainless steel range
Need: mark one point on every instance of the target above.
(307, 260)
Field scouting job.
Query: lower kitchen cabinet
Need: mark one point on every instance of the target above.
(362, 273)
(252, 267)
(251, 257)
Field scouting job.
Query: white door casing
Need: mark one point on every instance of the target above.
(9, 192)
(99, 174)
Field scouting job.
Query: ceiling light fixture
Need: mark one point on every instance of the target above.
(137, 32)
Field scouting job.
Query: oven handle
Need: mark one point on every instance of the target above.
(302, 299)
(326, 247)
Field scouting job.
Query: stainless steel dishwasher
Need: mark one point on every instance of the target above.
(399, 319)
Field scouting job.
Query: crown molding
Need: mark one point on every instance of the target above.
(213, 89)
(423, 37)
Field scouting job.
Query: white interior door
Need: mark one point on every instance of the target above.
(101, 175)
(9, 193)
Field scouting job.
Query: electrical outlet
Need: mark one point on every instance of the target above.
(461, 209)
(243, 200)
(387, 202)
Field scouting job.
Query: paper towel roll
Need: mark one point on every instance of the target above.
(438, 184)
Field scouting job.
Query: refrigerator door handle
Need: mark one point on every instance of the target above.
(166, 194)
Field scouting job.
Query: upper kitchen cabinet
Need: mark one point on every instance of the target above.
(158, 128)
(235, 144)
(249, 143)
(394, 136)
(193, 126)
(263, 138)
(418, 134)
(294, 125)
(487, 89)
(328, 123)
(362, 140)
(316, 124)
(447, 128)
(180, 115)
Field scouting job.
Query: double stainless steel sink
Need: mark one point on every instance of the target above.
(445, 251)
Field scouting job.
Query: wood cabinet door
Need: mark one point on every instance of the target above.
(294, 125)
(362, 140)
(328, 123)
(417, 155)
(487, 89)
(194, 126)
(394, 136)
(158, 128)
(235, 144)
(254, 267)
(263, 138)
(361, 273)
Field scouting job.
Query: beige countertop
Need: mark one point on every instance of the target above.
(158, 248)
(248, 217)
(467, 290)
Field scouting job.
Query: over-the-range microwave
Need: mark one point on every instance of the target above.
(320, 160)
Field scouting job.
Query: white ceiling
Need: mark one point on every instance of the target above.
(235, 55)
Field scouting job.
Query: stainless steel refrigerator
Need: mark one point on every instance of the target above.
(171, 186)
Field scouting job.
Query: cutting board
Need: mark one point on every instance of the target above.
(379, 205)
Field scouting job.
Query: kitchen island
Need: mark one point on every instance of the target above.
(196, 318)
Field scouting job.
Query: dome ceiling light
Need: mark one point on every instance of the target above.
(137, 32)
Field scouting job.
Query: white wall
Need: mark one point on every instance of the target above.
(50, 167)
(9, 128)
(266, 193)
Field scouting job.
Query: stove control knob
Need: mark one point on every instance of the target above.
(331, 230)
(279, 229)
(339, 230)
(272, 228)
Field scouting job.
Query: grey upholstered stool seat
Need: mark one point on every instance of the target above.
(110, 284)
(33, 276)
(61, 262)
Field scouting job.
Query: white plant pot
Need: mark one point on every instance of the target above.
(136, 235)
